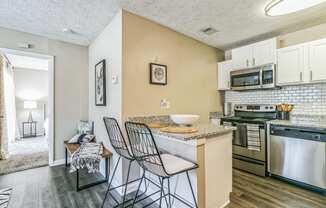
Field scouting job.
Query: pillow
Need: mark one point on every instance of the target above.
(85, 138)
(81, 138)
(74, 139)
(85, 127)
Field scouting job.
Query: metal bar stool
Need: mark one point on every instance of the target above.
(121, 147)
(165, 166)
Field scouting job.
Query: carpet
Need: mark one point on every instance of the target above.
(23, 162)
(5, 197)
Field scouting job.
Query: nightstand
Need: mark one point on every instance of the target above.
(29, 129)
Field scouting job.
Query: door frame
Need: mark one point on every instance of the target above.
(51, 93)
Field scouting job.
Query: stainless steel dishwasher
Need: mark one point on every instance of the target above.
(299, 154)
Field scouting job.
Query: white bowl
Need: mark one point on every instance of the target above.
(184, 119)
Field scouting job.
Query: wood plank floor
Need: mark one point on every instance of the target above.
(250, 191)
(55, 188)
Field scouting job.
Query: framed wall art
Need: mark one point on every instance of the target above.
(100, 84)
(158, 74)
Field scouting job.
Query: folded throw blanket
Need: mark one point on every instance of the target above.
(89, 156)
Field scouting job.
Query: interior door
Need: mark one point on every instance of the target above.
(317, 60)
(264, 52)
(290, 64)
(241, 57)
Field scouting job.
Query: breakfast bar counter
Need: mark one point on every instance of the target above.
(205, 130)
(209, 146)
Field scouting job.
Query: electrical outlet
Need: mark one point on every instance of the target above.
(165, 104)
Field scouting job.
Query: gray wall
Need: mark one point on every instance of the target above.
(70, 80)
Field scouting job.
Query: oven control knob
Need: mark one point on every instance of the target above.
(266, 107)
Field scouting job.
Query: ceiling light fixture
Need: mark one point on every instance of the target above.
(282, 7)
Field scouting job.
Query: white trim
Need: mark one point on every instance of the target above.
(51, 109)
(51, 93)
(58, 162)
(225, 204)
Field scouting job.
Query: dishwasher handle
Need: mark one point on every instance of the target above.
(299, 133)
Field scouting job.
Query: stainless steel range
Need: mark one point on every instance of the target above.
(249, 140)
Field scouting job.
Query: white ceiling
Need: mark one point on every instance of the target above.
(26, 62)
(238, 21)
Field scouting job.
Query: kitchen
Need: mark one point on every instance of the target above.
(275, 96)
(279, 115)
(228, 96)
(189, 86)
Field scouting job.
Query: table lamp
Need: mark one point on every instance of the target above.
(30, 105)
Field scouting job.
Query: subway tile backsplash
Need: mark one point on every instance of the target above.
(307, 99)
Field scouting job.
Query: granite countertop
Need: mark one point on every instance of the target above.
(308, 121)
(204, 130)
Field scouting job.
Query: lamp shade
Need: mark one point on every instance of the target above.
(30, 104)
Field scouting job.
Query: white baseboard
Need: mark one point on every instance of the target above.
(131, 187)
(59, 162)
(225, 204)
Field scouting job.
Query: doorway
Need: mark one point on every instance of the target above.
(29, 96)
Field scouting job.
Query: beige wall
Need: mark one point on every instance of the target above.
(71, 80)
(192, 74)
(301, 36)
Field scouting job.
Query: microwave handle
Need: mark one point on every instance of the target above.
(261, 78)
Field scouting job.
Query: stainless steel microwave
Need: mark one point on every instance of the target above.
(260, 77)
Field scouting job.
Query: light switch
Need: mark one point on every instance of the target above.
(114, 80)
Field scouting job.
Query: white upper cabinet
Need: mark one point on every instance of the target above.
(303, 63)
(317, 60)
(290, 65)
(241, 57)
(264, 52)
(223, 71)
(256, 54)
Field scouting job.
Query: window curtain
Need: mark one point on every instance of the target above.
(3, 124)
(10, 102)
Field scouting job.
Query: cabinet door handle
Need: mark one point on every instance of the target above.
(228, 84)
(310, 75)
(253, 61)
(300, 76)
(247, 62)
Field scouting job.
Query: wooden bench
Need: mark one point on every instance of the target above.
(72, 148)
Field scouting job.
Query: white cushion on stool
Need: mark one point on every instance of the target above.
(173, 164)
